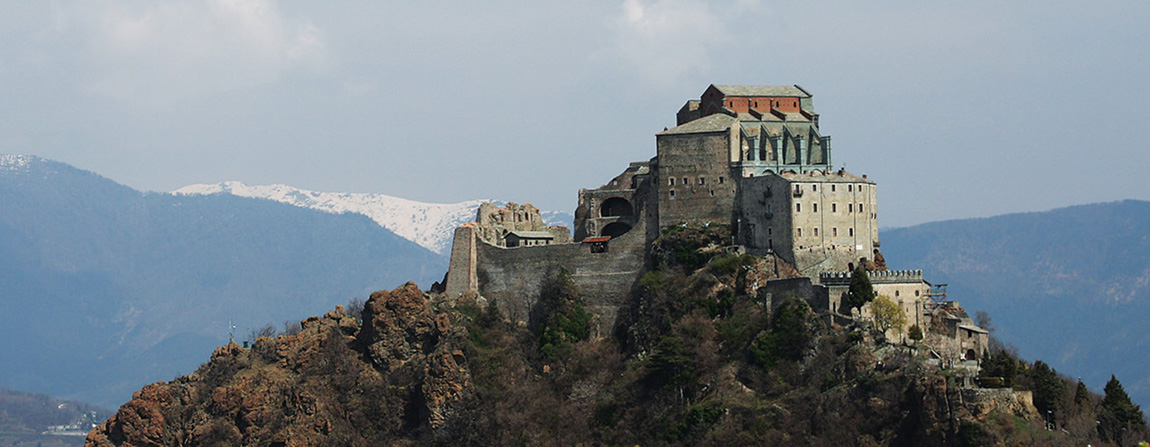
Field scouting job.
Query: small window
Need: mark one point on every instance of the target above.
(721, 180)
(860, 207)
(800, 230)
(915, 293)
(851, 232)
(815, 207)
(832, 188)
(834, 208)
(815, 188)
(712, 193)
(896, 294)
(672, 193)
(798, 207)
(702, 180)
(850, 188)
(816, 231)
(671, 181)
(686, 181)
(850, 207)
(834, 232)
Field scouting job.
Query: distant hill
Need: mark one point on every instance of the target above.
(428, 224)
(104, 288)
(24, 417)
(1070, 286)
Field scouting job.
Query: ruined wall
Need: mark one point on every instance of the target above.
(513, 276)
(461, 268)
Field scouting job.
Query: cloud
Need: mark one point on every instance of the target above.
(157, 52)
(664, 41)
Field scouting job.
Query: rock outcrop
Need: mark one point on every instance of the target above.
(335, 382)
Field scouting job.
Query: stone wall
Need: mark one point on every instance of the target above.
(514, 276)
(699, 166)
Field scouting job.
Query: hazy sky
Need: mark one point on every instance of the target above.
(956, 109)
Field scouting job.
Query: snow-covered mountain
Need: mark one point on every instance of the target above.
(428, 224)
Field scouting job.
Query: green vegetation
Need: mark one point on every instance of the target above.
(861, 291)
(561, 320)
(888, 316)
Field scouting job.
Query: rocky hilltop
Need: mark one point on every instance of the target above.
(335, 382)
(695, 360)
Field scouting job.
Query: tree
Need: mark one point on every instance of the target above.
(1117, 414)
(861, 291)
(888, 315)
(915, 332)
(982, 320)
(1049, 390)
(561, 319)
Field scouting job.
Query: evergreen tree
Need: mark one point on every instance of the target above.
(1081, 395)
(861, 291)
(915, 332)
(1118, 415)
(1049, 390)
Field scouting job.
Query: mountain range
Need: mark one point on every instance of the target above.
(106, 288)
(427, 224)
(1070, 286)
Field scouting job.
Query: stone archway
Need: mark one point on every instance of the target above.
(615, 229)
(616, 207)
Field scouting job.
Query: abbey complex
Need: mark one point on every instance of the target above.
(748, 157)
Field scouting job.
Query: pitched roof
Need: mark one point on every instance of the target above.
(761, 90)
(711, 123)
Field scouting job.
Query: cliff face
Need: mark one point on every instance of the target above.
(336, 382)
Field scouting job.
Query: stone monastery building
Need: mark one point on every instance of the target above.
(751, 157)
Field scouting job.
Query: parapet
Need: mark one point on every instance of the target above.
(877, 276)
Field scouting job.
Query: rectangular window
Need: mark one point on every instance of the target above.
(671, 181)
(685, 181)
(860, 207)
(800, 230)
(850, 188)
(834, 232)
(815, 207)
(851, 232)
(702, 180)
(798, 207)
(832, 188)
(815, 188)
(850, 207)
(816, 231)
(721, 180)
(672, 193)
(834, 208)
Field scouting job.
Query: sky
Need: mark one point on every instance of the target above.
(955, 109)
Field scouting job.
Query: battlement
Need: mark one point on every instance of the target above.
(878, 276)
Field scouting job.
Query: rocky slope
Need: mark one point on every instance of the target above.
(335, 382)
(698, 359)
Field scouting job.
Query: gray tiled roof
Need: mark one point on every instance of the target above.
(710, 123)
(761, 90)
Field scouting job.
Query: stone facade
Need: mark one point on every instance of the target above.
(751, 157)
(819, 222)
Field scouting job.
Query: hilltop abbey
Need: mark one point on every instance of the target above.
(750, 157)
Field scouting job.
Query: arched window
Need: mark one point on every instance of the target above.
(615, 206)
